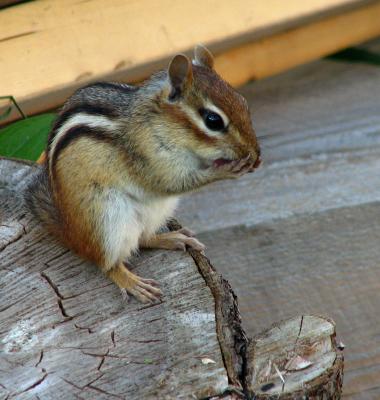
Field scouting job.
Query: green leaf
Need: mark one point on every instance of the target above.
(27, 138)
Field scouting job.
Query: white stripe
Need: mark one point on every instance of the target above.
(198, 120)
(92, 121)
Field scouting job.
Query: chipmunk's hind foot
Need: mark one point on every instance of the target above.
(144, 290)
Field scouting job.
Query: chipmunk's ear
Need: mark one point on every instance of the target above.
(203, 57)
(180, 74)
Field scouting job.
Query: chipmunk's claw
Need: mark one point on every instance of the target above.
(180, 241)
(175, 240)
(124, 295)
(145, 292)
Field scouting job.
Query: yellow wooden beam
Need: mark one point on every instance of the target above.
(276, 53)
(49, 48)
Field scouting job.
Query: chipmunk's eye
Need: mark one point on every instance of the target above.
(212, 120)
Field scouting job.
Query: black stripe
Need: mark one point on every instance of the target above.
(77, 132)
(113, 85)
(83, 108)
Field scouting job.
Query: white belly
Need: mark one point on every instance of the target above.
(128, 218)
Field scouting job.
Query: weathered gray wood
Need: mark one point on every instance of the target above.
(301, 235)
(296, 359)
(65, 331)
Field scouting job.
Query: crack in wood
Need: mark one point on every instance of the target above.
(72, 384)
(73, 296)
(33, 385)
(81, 388)
(13, 240)
(63, 311)
(55, 258)
(147, 341)
(66, 316)
(5, 39)
(105, 392)
(89, 330)
(40, 359)
(94, 380)
(299, 332)
(52, 284)
(94, 354)
(9, 306)
(151, 305)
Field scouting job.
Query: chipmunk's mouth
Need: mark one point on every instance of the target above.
(222, 161)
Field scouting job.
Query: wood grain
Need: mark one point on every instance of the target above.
(92, 40)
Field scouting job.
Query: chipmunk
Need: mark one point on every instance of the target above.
(119, 156)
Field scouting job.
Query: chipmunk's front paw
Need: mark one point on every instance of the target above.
(178, 240)
(175, 240)
(230, 169)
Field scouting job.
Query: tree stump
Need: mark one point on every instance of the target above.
(65, 331)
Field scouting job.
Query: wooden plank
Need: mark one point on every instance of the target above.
(301, 234)
(134, 38)
(280, 52)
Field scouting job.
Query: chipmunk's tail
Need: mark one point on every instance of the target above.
(38, 199)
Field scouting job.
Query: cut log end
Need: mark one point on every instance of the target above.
(296, 358)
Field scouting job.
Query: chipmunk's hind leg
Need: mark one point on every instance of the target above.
(145, 290)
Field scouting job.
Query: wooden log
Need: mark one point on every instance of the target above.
(65, 331)
(133, 39)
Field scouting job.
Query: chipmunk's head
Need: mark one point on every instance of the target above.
(209, 119)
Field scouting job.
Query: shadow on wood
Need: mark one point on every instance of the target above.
(65, 331)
